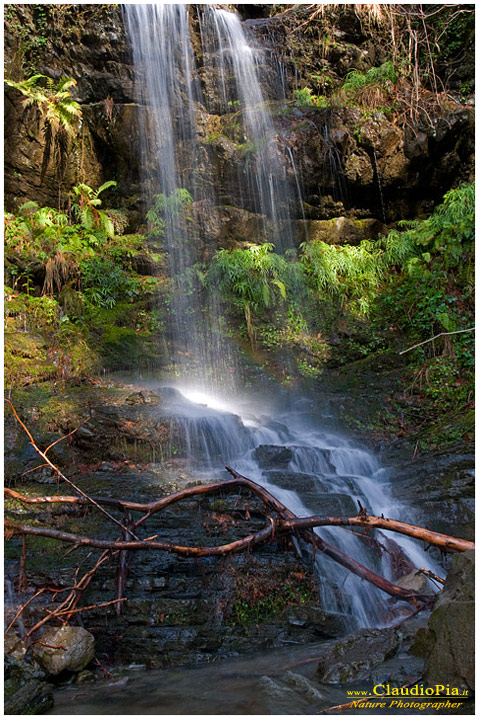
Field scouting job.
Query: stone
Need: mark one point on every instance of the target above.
(324, 624)
(354, 657)
(414, 581)
(32, 698)
(85, 676)
(450, 630)
(271, 456)
(342, 230)
(14, 646)
(331, 504)
(299, 482)
(75, 649)
(26, 692)
(358, 168)
(300, 682)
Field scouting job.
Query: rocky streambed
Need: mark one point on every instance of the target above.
(184, 611)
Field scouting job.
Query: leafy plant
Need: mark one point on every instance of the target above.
(304, 97)
(168, 207)
(351, 272)
(85, 207)
(104, 283)
(253, 278)
(59, 111)
(371, 89)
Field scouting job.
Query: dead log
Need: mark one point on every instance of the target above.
(83, 541)
(446, 542)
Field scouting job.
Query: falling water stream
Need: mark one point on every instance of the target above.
(309, 469)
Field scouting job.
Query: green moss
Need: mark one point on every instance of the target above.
(260, 599)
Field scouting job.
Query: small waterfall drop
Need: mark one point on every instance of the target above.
(310, 470)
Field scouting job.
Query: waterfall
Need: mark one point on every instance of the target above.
(169, 89)
(226, 46)
(310, 470)
(173, 93)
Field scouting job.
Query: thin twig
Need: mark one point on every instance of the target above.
(54, 467)
(89, 607)
(64, 437)
(454, 332)
(39, 592)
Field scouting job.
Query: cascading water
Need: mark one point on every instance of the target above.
(311, 471)
(306, 468)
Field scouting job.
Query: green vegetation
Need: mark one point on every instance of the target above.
(60, 114)
(253, 278)
(304, 97)
(258, 600)
(373, 90)
(72, 289)
(167, 207)
(417, 280)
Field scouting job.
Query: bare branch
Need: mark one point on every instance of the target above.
(55, 468)
(454, 332)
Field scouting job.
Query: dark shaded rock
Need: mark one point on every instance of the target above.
(331, 504)
(445, 496)
(354, 657)
(271, 456)
(144, 265)
(449, 641)
(299, 482)
(26, 692)
(324, 624)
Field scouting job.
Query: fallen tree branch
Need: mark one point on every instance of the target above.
(434, 538)
(454, 332)
(285, 522)
(56, 469)
(83, 541)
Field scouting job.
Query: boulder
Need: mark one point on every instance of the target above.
(450, 637)
(72, 648)
(14, 646)
(272, 456)
(354, 657)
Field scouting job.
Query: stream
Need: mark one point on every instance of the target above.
(279, 682)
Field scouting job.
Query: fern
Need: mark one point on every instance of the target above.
(85, 204)
(60, 112)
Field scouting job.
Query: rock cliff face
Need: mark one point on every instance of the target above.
(86, 43)
(349, 165)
